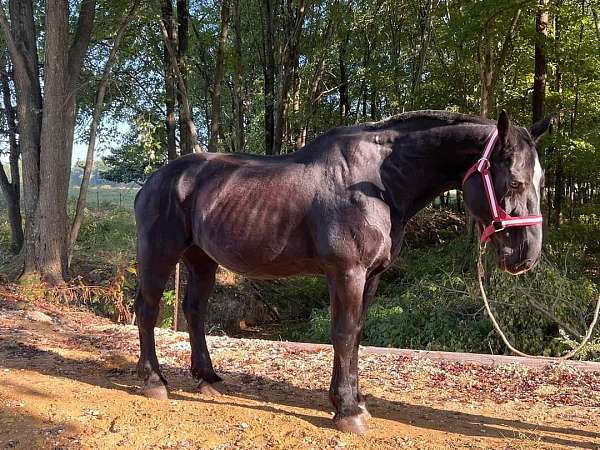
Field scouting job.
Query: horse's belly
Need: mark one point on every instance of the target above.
(262, 257)
(262, 238)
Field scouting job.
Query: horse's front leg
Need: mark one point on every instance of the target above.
(347, 309)
(369, 293)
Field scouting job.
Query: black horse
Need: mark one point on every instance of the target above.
(338, 208)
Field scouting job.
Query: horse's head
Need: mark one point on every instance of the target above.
(516, 178)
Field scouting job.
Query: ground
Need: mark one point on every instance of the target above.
(67, 381)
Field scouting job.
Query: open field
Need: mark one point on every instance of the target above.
(101, 197)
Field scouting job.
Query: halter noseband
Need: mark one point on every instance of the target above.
(500, 218)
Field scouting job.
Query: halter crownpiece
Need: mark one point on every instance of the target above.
(500, 218)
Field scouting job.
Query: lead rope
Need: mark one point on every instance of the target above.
(480, 274)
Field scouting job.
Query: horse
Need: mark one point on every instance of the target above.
(335, 208)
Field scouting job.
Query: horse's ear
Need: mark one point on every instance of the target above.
(504, 126)
(540, 128)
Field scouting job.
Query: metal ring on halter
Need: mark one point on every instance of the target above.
(486, 165)
(498, 225)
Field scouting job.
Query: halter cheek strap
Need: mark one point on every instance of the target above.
(500, 218)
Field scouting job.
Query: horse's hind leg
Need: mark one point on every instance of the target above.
(200, 286)
(154, 269)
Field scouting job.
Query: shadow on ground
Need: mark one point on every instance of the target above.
(120, 375)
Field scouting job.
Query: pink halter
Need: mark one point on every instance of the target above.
(500, 218)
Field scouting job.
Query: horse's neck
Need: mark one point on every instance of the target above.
(424, 164)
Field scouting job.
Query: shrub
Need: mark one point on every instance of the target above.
(428, 303)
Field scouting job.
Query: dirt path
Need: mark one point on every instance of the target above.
(67, 382)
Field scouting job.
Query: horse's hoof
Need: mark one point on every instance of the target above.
(157, 391)
(208, 389)
(364, 409)
(352, 424)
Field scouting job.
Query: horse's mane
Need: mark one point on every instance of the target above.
(442, 116)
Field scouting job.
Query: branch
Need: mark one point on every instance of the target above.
(83, 34)
(504, 50)
(16, 56)
(98, 107)
(182, 88)
(508, 37)
(596, 23)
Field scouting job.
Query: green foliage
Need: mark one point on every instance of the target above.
(428, 303)
(142, 153)
(168, 309)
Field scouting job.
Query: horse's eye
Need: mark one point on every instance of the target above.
(516, 185)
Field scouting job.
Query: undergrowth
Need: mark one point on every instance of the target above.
(425, 301)
(429, 303)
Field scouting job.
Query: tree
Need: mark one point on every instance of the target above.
(238, 80)
(539, 81)
(268, 63)
(98, 108)
(218, 79)
(490, 66)
(11, 188)
(47, 124)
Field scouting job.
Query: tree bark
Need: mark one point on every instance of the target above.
(557, 198)
(62, 65)
(170, 89)
(293, 22)
(11, 188)
(96, 116)
(539, 83)
(269, 74)
(489, 66)
(46, 130)
(185, 109)
(215, 120)
(238, 81)
(596, 24)
(343, 87)
(20, 36)
(424, 39)
(185, 143)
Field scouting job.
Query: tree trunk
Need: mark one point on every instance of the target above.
(343, 86)
(11, 189)
(185, 143)
(20, 36)
(486, 77)
(218, 79)
(539, 83)
(269, 74)
(315, 83)
(170, 89)
(596, 25)
(489, 66)
(425, 36)
(96, 115)
(293, 22)
(184, 107)
(62, 66)
(238, 80)
(558, 175)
